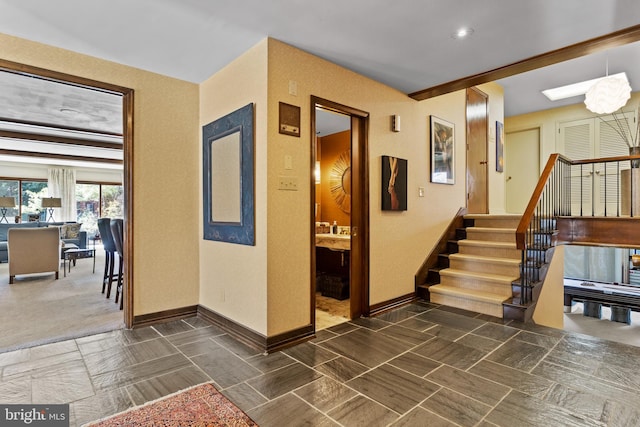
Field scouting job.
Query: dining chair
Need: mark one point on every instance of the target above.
(104, 227)
(117, 235)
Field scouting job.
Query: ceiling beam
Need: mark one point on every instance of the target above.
(587, 47)
(59, 156)
(59, 139)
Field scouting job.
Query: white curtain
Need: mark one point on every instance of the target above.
(62, 183)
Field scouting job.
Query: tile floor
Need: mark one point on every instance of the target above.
(418, 365)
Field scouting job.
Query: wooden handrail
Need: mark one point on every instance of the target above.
(527, 216)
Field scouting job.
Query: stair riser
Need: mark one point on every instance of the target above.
(496, 223)
(468, 304)
(491, 251)
(477, 284)
(500, 236)
(485, 267)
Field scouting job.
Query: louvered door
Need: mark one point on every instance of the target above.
(577, 142)
(589, 139)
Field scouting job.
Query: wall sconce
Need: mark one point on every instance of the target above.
(395, 123)
(51, 202)
(316, 172)
(5, 203)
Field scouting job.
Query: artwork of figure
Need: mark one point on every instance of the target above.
(394, 184)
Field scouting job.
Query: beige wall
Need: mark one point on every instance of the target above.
(165, 158)
(399, 241)
(233, 278)
(549, 120)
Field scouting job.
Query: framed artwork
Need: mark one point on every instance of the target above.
(442, 151)
(228, 175)
(394, 184)
(499, 147)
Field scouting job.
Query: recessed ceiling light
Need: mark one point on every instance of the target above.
(462, 33)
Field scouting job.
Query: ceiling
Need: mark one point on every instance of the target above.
(408, 46)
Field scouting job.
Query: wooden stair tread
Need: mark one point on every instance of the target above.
(487, 259)
(487, 243)
(492, 216)
(470, 294)
(452, 272)
(492, 230)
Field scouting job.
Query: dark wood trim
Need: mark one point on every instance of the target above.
(312, 201)
(127, 117)
(43, 73)
(289, 339)
(59, 156)
(602, 231)
(440, 247)
(59, 139)
(164, 316)
(59, 127)
(98, 183)
(240, 332)
(359, 297)
(377, 309)
(128, 246)
(587, 47)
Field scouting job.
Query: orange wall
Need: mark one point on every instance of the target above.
(331, 146)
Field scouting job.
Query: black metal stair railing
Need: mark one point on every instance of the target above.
(594, 187)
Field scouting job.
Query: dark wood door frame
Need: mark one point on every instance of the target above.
(127, 125)
(359, 277)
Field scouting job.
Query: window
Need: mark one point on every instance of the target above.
(32, 193)
(88, 206)
(10, 188)
(94, 200)
(112, 201)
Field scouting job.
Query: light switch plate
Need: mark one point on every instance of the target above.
(420, 191)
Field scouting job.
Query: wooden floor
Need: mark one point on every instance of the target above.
(418, 365)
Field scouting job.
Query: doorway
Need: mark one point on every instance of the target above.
(477, 111)
(339, 210)
(81, 147)
(522, 168)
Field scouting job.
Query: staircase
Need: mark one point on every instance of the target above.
(479, 276)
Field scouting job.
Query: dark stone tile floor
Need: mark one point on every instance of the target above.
(419, 365)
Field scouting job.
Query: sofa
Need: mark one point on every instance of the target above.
(79, 238)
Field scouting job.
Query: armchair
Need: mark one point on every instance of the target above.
(33, 250)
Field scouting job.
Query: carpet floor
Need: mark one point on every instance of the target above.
(201, 405)
(38, 309)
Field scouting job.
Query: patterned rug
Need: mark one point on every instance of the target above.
(201, 406)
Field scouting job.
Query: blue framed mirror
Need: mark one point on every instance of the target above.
(228, 178)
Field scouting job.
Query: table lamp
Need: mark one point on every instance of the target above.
(51, 202)
(5, 203)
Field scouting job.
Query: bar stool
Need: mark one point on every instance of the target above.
(117, 234)
(104, 226)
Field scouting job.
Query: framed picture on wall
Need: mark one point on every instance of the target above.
(442, 151)
(499, 147)
(394, 184)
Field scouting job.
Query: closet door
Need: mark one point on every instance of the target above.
(577, 142)
(609, 143)
(595, 138)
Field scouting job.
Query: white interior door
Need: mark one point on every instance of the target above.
(522, 168)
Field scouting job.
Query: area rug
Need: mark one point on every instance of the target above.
(201, 406)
